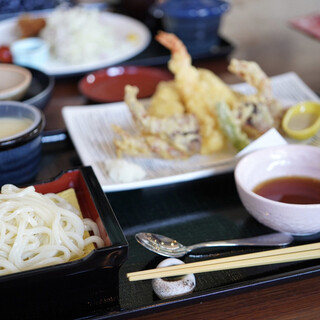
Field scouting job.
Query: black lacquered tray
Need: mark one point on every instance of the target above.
(72, 289)
(155, 54)
(195, 211)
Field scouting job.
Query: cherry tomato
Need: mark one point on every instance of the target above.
(5, 54)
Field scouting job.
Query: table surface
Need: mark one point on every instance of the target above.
(260, 31)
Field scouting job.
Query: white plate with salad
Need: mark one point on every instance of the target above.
(82, 40)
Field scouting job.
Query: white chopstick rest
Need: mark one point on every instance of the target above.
(166, 288)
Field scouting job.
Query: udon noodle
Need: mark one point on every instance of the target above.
(39, 230)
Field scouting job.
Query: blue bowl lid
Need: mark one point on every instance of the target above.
(192, 8)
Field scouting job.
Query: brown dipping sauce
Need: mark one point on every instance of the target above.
(294, 189)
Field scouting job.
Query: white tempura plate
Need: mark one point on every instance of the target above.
(122, 24)
(92, 135)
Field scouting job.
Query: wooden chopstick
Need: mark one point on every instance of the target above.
(295, 253)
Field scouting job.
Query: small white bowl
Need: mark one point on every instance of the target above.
(30, 52)
(275, 162)
(14, 81)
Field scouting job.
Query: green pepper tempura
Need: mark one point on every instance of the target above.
(230, 126)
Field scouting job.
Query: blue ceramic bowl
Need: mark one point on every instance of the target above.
(195, 22)
(20, 153)
(40, 91)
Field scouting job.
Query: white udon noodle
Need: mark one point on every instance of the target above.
(39, 230)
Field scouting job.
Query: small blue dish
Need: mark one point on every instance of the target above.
(40, 91)
(20, 153)
(195, 22)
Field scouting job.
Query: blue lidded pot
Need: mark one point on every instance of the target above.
(195, 22)
(20, 152)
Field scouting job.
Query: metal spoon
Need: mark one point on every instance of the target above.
(171, 248)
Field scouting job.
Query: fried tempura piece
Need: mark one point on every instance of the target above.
(197, 112)
(251, 72)
(181, 130)
(134, 146)
(171, 137)
(29, 26)
(199, 90)
(145, 145)
(259, 112)
(166, 101)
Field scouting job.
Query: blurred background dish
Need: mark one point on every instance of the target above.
(138, 9)
(107, 85)
(14, 81)
(195, 22)
(129, 37)
(291, 208)
(10, 9)
(21, 128)
(40, 89)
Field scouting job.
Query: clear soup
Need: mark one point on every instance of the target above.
(10, 126)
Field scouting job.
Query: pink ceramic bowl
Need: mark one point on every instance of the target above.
(262, 165)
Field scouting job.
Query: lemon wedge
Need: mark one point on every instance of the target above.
(302, 121)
